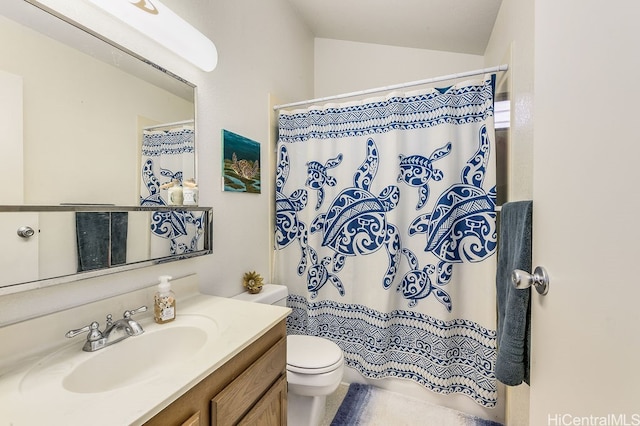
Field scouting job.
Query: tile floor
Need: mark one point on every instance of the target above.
(333, 403)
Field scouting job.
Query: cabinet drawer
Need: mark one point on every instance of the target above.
(271, 410)
(232, 403)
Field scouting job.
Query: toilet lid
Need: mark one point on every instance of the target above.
(312, 355)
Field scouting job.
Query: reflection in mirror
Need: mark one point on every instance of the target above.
(101, 239)
(74, 111)
(79, 120)
(77, 240)
(167, 156)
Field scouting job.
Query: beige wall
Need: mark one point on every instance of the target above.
(263, 49)
(344, 66)
(512, 41)
(11, 122)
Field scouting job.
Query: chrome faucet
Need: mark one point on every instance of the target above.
(114, 331)
(122, 328)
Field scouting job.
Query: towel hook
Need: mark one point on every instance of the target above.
(539, 279)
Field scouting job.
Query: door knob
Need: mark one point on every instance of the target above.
(26, 231)
(539, 279)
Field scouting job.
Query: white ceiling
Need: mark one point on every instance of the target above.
(462, 26)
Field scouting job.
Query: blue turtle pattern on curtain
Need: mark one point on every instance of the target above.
(383, 207)
(168, 155)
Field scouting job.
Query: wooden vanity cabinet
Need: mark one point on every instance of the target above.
(249, 389)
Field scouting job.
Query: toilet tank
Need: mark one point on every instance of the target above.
(271, 294)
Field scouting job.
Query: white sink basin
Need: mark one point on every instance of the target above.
(134, 358)
(159, 349)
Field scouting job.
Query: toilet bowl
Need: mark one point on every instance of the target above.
(314, 365)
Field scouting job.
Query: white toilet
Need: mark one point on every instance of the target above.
(314, 365)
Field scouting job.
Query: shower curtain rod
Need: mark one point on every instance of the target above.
(160, 126)
(499, 68)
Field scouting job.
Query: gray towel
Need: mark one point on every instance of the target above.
(514, 306)
(119, 230)
(101, 239)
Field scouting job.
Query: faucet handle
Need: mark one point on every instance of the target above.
(127, 314)
(94, 333)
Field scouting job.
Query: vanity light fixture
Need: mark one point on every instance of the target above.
(156, 21)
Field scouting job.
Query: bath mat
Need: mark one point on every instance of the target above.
(367, 405)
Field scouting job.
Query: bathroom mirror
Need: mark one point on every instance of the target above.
(76, 128)
(73, 109)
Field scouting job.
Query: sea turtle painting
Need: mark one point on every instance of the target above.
(289, 227)
(318, 275)
(461, 227)
(245, 168)
(417, 284)
(417, 171)
(318, 177)
(356, 222)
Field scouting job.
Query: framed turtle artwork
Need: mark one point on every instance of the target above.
(241, 163)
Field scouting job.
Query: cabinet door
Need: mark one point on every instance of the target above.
(234, 389)
(240, 396)
(271, 409)
(193, 420)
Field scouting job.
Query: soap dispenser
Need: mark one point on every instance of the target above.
(164, 306)
(175, 195)
(190, 192)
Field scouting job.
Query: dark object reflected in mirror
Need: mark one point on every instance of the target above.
(101, 239)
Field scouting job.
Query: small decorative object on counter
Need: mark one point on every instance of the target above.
(252, 282)
(164, 302)
(190, 192)
(175, 196)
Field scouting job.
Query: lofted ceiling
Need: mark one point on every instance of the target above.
(461, 26)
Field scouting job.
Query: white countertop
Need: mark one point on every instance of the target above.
(31, 391)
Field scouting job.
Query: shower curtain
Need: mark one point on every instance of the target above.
(386, 233)
(167, 155)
